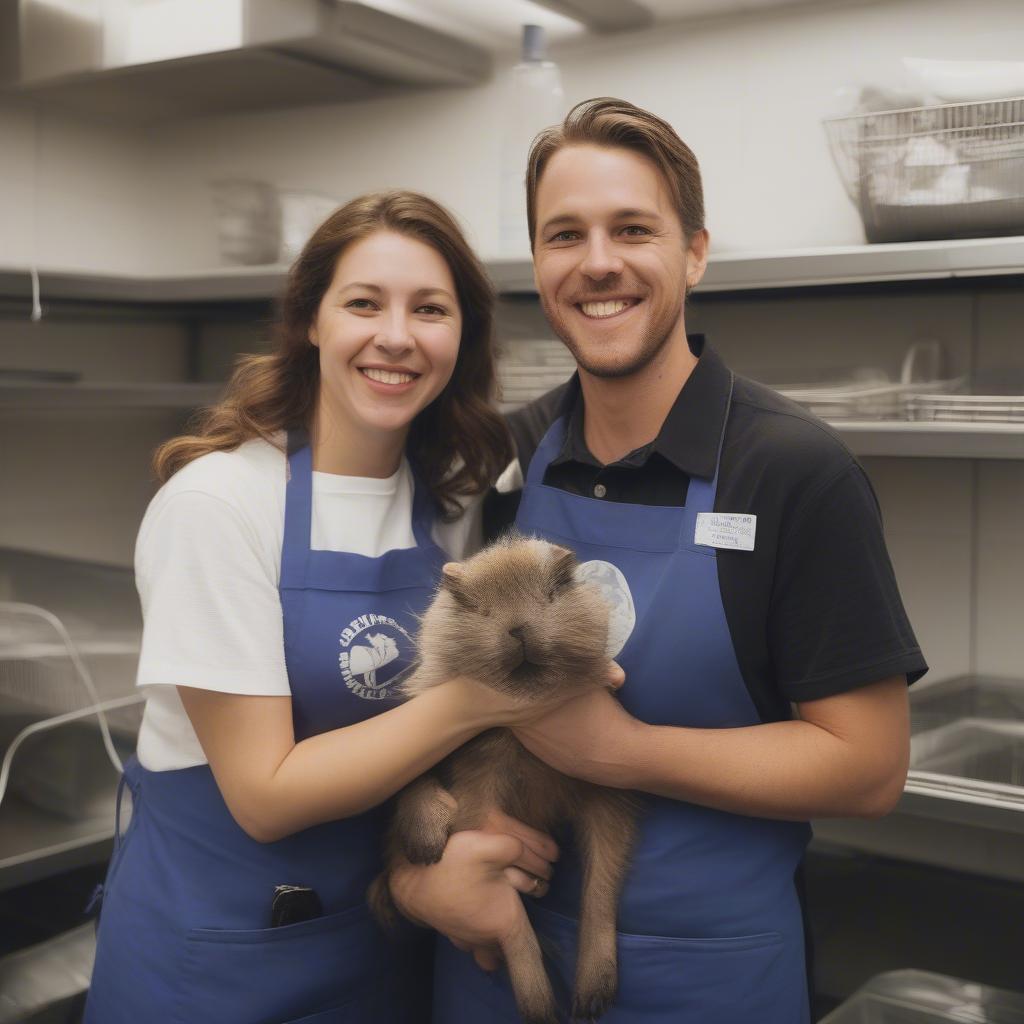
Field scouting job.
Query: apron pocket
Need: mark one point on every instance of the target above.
(276, 975)
(734, 980)
(731, 980)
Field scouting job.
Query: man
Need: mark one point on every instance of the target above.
(748, 550)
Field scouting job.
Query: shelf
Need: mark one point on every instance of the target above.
(808, 268)
(101, 396)
(36, 844)
(219, 284)
(925, 439)
(728, 272)
(288, 54)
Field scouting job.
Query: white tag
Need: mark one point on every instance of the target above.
(725, 530)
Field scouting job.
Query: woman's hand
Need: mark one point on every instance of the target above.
(472, 894)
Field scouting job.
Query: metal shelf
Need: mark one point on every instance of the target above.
(839, 265)
(36, 844)
(727, 272)
(104, 396)
(219, 284)
(925, 439)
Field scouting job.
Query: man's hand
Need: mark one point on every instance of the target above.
(472, 894)
(586, 737)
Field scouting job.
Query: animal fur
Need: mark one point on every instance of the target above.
(515, 617)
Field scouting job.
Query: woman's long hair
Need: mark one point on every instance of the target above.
(459, 443)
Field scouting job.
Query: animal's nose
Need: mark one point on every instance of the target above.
(518, 633)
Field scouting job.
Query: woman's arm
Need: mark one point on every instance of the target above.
(274, 786)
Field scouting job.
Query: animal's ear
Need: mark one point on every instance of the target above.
(563, 570)
(453, 580)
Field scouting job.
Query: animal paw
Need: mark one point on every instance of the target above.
(595, 994)
(538, 1015)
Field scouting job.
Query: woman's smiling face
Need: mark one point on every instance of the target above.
(388, 330)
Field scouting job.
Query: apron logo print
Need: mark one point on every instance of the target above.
(614, 589)
(371, 658)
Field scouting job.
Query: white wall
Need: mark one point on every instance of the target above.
(84, 180)
(748, 93)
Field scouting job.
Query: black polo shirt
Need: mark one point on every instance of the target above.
(814, 609)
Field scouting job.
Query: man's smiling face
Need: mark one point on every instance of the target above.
(611, 259)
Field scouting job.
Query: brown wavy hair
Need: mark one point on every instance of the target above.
(459, 444)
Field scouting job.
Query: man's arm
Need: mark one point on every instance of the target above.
(845, 756)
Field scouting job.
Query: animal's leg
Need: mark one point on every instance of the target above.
(418, 832)
(423, 820)
(605, 829)
(535, 999)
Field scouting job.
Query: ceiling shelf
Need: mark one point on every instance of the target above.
(280, 55)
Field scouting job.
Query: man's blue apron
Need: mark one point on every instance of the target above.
(184, 936)
(709, 920)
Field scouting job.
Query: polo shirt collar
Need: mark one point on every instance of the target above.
(689, 435)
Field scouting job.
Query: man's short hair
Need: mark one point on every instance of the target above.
(609, 122)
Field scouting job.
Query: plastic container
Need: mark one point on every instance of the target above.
(259, 223)
(921, 997)
(248, 221)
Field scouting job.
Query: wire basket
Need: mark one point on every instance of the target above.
(951, 171)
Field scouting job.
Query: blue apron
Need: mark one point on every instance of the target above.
(710, 928)
(184, 934)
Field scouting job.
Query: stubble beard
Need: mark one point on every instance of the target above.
(652, 340)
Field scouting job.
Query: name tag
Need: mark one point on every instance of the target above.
(725, 530)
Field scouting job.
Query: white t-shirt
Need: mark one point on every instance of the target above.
(208, 564)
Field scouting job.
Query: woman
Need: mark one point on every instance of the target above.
(281, 568)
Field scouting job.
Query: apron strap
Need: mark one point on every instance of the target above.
(700, 495)
(549, 445)
(423, 512)
(118, 838)
(298, 510)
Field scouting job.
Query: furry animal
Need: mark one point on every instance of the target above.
(516, 618)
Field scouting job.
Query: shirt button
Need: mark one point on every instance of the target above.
(600, 490)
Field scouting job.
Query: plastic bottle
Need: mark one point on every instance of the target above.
(535, 101)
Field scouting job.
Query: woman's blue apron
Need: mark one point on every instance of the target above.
(710, 928)
(184, 935)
